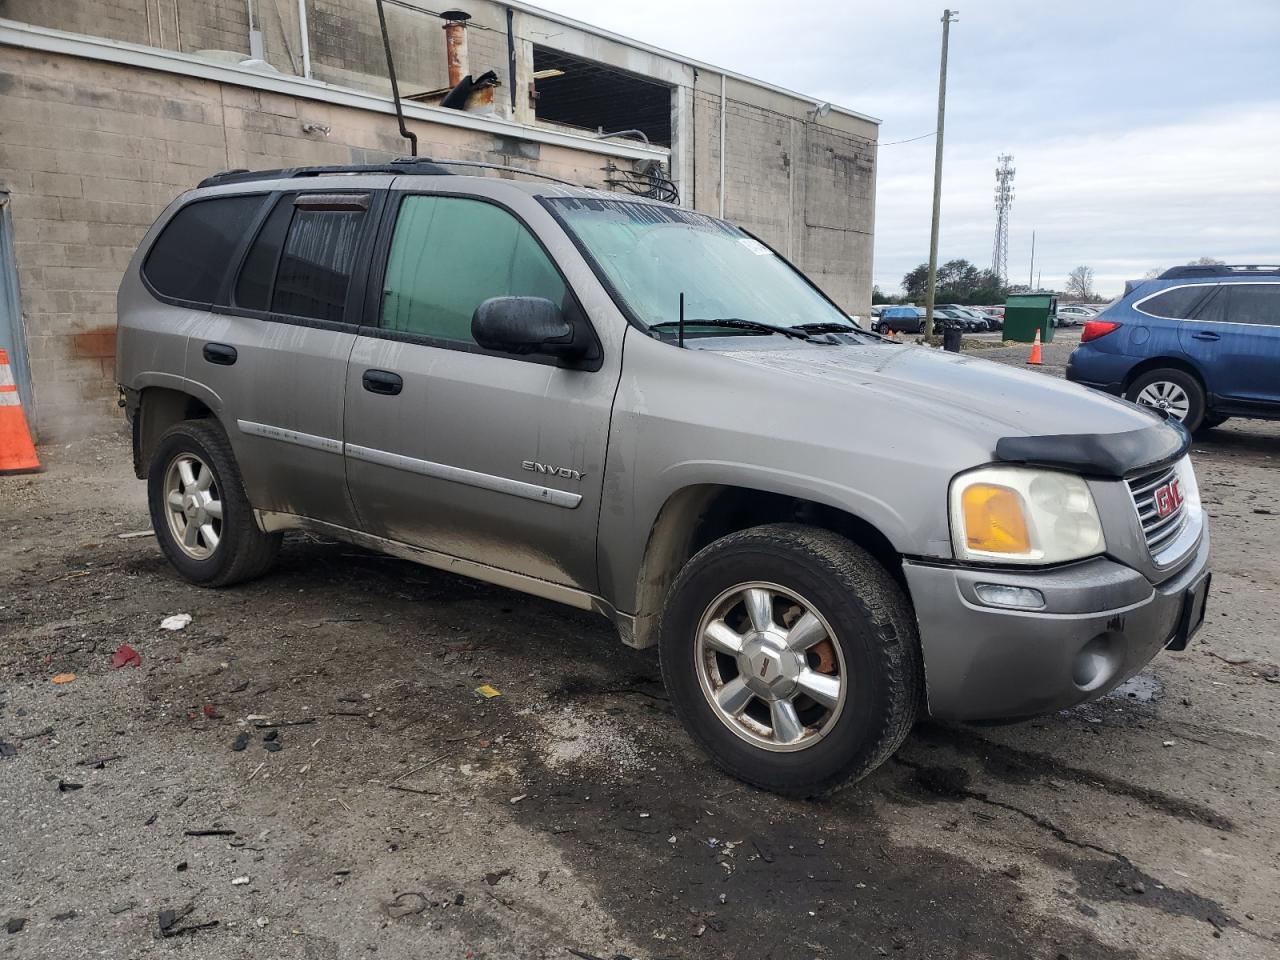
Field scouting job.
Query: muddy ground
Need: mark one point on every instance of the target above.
(399, 814)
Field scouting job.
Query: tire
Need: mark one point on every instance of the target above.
(1175, 391)
(241, 550)
(873, 656)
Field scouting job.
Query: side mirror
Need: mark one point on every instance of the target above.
(524, 325)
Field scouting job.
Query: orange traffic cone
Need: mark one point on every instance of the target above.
(17, 452)
(1034, 359)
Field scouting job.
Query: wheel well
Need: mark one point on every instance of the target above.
(159, 408)
(697, 516)
(1164, 363)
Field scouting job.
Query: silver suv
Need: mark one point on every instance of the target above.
(644, 411)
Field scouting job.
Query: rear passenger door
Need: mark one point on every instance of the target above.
(275, 353)
(1235, 335)
(488, 457)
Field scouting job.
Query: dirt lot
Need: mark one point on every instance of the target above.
(400, 814)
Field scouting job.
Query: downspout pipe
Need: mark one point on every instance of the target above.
(305, 34)
(723, 101)
(395, 87)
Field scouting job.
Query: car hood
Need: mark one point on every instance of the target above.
(980, 399)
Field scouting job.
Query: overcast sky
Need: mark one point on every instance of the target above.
(1144, 133)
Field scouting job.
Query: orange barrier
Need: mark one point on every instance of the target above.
(1034, 359)
(17, 452)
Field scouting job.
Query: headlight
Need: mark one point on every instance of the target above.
(1021, 515)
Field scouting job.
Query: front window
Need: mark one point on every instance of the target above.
(650, 254)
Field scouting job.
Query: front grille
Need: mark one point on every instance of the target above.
(1159, 531)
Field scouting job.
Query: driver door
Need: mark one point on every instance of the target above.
(475, 454)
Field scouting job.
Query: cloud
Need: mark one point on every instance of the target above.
(1145, 132)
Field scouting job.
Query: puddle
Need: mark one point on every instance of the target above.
(1144, 688)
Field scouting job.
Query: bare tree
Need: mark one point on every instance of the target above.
(1207, 262)
(1080, 283)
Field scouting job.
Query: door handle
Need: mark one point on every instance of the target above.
(220, 353)
(1205, 335)
(382, 381)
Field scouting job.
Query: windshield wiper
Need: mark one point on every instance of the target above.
(737, 323)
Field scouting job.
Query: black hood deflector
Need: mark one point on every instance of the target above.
(1110, 455)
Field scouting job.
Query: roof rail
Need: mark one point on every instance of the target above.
(1220, 270)
(410, 165)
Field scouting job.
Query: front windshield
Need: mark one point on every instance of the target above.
(650, 254)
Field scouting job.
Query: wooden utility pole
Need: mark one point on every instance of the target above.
(948, 17)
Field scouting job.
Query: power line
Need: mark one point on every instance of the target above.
(894, 143)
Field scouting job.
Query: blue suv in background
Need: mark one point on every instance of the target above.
(1199, 342)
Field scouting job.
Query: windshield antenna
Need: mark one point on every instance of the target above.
(681, 336)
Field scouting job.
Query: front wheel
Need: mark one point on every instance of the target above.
(791, 656)
(1175, 392)
(199, 510)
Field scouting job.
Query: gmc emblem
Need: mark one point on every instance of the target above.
(1168, 499)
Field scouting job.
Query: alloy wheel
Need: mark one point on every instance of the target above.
(193, 505)
(769, 667)
(1167, 396)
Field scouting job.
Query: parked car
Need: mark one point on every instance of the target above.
(824, 534)
(944, 317)
(1200, 343)
(902, 320)
(1075, 315)
(979, 322)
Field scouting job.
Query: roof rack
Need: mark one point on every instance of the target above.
(1220, 270)
(412, 166)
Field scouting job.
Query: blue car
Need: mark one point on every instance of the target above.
(1201, 343)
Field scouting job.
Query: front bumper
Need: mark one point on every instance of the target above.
(1102, 622)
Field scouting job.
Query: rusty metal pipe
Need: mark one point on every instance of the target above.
(455, 44)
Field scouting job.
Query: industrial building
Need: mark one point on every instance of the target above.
(110, 109)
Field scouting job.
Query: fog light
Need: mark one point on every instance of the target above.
(1003, 595)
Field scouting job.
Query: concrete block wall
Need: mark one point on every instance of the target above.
(92, 153)
(805, 186)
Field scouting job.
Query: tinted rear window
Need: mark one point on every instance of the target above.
(1175, 304)
(192, 255)
(316, 263)
(1253, 303)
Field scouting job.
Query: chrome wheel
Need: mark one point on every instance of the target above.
(769, 667)
(1167, 396)
(193, 506)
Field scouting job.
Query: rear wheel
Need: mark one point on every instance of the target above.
(791, 656)
(199, 510)
(1176, 392)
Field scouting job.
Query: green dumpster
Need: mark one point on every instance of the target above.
(1025, 313)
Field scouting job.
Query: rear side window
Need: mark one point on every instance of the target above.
(316, 262)
(193, 253)
(301, 261)
(1175, 304)
(448, 255)
(1256, 303)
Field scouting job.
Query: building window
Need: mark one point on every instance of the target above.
(582, 93)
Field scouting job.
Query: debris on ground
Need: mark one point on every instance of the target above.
(66, 786)
(135, 534)
(15, 924)
(488, 692)
(241, 741)
(167, 920)
(64, 678)
(125, 656)
(492, 879)
(239, 881)
(7, 750)
(211, 712)
(178, 621)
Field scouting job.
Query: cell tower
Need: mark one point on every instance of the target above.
(1004, 200)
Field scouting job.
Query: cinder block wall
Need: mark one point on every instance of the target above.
(91, 153)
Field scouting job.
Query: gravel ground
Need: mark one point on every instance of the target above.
(381, 806)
